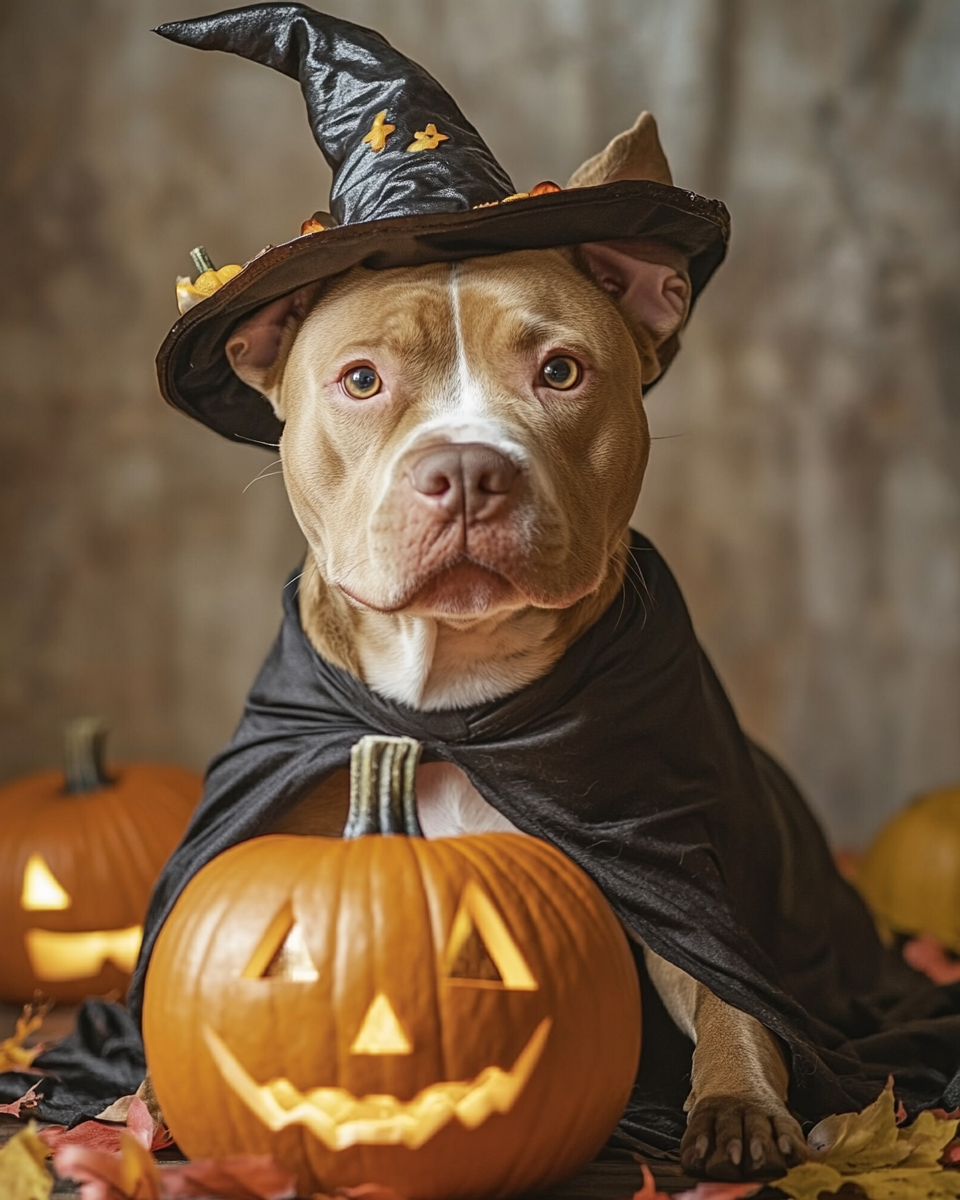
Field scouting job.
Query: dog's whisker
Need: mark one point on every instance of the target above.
(255, 442)
(259, 477)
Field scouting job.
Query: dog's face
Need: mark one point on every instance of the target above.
(464, 440)
(469, 438)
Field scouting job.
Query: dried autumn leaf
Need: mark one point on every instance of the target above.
(27, 1100)
(900, 1183)
(708, 1189)
(951, 1156)
(711, 1189)
(851, 1142)
(103, 1135)
(131, 1175)
(244, 1177)
(928, 956)
(90, 1134)
(927, 1138)
(368, 1191)
(868, 1151)
(649, 1190)
(15, 1055)
(807, 1181)
(142, 1125)
(118, 1111)
(23, 1170)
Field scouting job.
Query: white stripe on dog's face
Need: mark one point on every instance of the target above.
(465, 485)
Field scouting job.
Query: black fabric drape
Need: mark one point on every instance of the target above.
(629, 758)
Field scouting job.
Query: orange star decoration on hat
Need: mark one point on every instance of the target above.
(380, 131)
(427, 139)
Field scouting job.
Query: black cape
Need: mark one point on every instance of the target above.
(628, 757)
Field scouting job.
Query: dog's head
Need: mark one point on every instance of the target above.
(463, 439)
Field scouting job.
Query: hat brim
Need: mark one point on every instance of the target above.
(192, 368)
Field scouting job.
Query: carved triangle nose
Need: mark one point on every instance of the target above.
(381, 1031)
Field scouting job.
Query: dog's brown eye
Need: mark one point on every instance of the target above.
(361, 382)
(561, 373)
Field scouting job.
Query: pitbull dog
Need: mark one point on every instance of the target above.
(463, 447)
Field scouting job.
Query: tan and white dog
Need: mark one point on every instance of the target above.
(463, 446)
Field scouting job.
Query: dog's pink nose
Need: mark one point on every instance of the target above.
(464, 478)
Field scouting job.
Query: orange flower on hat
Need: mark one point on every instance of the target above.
(380, 131)
(428, 139)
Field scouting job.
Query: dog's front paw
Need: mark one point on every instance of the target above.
(737, 1137)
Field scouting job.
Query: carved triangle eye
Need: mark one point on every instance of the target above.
(481, 952)
(471, 958)
(42, 891)
(282, 953)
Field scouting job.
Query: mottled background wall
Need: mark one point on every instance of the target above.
(806, 487)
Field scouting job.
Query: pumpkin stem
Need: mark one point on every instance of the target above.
(383, 773)
(84, 741)
(201, 260)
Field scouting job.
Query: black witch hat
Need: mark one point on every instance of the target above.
(413, 182)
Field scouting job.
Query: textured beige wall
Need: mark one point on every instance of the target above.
(806, 486)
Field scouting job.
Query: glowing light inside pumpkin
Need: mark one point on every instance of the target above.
(339, 1119)
(41, 890)
(481, 951)
(56, 957)
(381, 1032)
(282, 953)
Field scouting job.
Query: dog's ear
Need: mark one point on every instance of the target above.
(257, 349)
(648, 280)
(634, 154)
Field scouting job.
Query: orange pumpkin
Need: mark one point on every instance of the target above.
(80, 851)
(451, 1018)
(910, 876)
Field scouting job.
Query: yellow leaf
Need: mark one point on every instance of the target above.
(139, 1174)
(851, 1142)
(927, 1138)
(807, 1181)
(869, 1151)
(23, 1171)
(14, 1055)
(901, 1183)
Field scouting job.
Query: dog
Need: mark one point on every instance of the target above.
(464, 444)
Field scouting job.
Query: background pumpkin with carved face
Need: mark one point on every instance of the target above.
(457, 1017)
(80, 851)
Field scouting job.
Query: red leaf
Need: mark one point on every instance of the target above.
(709, 1189)
(901, 1113)
(928, 956)
(369, 1191)
(130, 1175)
(245, 1177)
(951, 1155)
(649, 1189)
(93, 1135)
(103, 1135)
(144, 1128)
(27, 1100)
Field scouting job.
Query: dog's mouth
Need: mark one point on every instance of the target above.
(462, 587)
(340, 1119)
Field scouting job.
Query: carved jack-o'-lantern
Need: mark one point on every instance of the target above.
(80, 852)
(453, 1018)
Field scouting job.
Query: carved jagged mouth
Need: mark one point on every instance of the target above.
(339, 1119)
(57, 957)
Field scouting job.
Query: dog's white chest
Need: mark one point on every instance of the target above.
(449, 805)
